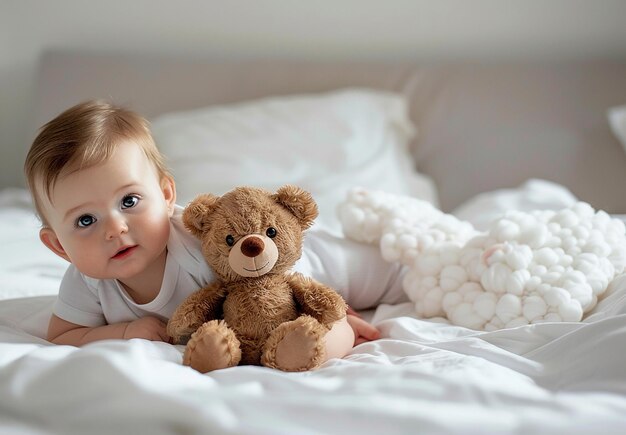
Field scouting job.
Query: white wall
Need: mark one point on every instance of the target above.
(408, 29)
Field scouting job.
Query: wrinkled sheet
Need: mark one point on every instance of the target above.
(421, 376)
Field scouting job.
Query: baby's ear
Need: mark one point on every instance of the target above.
(299, 202)
(168, 187)
(49, 238)
(196, 214)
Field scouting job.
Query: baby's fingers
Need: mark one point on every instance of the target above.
(363, 331)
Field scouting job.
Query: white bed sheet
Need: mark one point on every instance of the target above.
(420, 377)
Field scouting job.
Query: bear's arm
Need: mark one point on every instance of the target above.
(316, 299)
(198, 308)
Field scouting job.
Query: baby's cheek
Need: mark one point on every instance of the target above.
(158, 228)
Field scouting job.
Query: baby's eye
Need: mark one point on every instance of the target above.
(129, 201)
(85, 220)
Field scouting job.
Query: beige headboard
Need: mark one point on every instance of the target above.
(480, 126)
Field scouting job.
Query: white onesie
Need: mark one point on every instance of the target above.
(355, 270)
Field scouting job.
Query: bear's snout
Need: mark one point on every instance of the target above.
(253, 255)
(252, 246)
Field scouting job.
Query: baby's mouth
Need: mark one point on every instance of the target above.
(124, 252)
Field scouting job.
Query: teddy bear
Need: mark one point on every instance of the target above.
(257, 311)
(525, 268)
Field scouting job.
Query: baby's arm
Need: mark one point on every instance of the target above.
(78, 297)
(63, 332)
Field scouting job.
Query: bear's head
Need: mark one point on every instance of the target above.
(250, 232)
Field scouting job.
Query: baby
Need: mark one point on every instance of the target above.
(107, 204)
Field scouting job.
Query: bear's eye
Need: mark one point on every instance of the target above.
(271, 232)
(230, 240)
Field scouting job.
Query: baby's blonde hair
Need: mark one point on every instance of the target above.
(84, 135)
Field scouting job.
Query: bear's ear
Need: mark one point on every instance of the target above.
(196, 214)
(299, 202)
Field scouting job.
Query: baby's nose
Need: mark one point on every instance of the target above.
(116, 226)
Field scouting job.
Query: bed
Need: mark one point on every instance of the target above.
(474, 140)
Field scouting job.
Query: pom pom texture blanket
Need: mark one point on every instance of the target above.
(541, 266)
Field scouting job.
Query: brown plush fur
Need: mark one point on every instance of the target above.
(278, 319)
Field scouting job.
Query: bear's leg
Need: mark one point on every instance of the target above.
(213, 346)
(296, 346)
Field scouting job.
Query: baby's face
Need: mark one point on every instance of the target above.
(111, 220)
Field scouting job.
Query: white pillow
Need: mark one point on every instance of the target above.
(27, 267)
(617, 119)
(325, 143)
(534, 194)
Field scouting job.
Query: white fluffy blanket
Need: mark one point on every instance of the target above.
(526, 267)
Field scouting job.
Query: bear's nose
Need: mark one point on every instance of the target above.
(252, 246)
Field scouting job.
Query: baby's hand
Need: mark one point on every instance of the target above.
(149, 328)
(363, 331)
